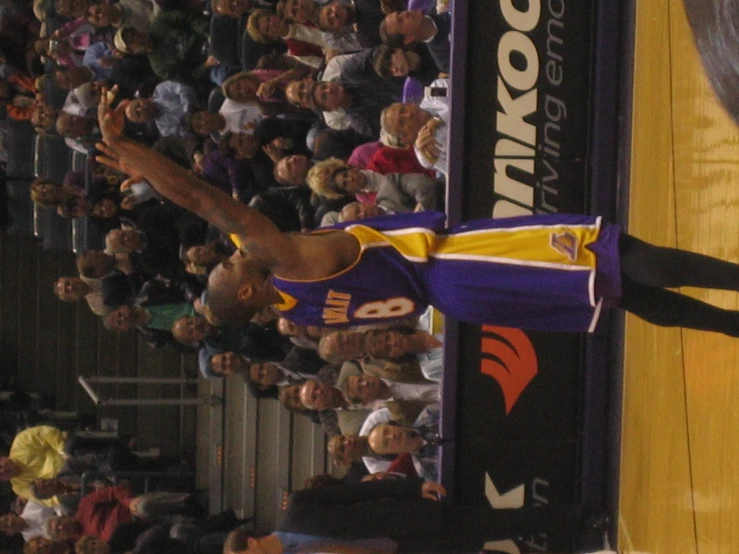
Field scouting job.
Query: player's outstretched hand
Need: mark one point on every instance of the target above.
(110, 158)
(432, 491)
(111, 121)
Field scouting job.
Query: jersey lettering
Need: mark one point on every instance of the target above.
(399, 306)
(336, 307)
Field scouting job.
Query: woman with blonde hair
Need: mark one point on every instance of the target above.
(395, 192)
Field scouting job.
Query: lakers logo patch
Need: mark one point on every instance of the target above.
(565, 243)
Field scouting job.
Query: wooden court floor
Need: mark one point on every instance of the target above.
(679, 490)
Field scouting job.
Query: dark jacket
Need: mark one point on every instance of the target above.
(396, 510)
(334, 143)
(439, 47)
(359, 72)
(369, 15)
(271, 128)
(288, 207)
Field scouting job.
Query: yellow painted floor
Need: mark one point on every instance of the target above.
(680, 453)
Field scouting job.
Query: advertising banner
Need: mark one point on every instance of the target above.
(526, 138)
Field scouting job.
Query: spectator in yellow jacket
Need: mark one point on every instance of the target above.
(36, 453)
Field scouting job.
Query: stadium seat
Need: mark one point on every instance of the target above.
(224, 39)
(412, 91)
(20, 207)
(52, 157)
(54, 231)
(20, 138)
(215, 100)
(54, 96)
(423, 5)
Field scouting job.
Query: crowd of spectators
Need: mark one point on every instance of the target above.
(315, 113)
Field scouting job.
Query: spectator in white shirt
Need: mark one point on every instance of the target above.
(166, 108)
(232, 116)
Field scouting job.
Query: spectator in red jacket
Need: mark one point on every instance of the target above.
(102, 511)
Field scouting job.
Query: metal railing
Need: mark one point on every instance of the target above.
(87, 384)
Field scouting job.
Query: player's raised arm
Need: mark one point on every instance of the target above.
(185, 189)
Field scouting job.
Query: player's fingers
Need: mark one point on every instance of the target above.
(108, 162)
(122, 106)
(105, 149)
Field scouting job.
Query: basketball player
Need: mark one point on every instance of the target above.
(543, 272)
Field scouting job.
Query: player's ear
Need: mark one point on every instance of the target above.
(245, 292)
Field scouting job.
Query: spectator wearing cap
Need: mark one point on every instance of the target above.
(175, 44)
(166, 108)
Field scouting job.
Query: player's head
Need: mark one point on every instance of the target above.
(238, 287)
